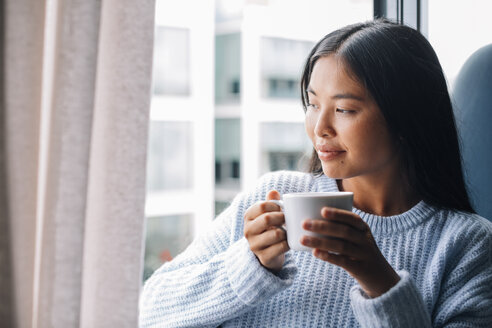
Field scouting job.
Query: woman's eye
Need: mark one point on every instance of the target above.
(344, 111)
(313, 106)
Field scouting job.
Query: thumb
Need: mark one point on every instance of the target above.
(273, 194)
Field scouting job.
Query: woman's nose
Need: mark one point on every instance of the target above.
(324, 125)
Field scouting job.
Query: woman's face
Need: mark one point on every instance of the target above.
(345, 124)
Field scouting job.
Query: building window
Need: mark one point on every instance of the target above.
(227, 67)
(171, 61)
(284, 146)
(283, 88)
(227, 152)
(166, 237)
(170, 160)
(284, 160)
(220, 206)
(235, 88)
(282, 61)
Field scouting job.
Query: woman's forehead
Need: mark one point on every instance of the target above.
(332, 74)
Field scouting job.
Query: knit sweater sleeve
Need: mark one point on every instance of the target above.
(215, 279)
(401, 306)
(465, 299)
(464, 294)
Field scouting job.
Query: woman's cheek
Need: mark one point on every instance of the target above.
(310, 124)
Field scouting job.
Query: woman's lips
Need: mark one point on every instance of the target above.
(329, 154)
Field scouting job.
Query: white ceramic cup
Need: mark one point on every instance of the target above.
(298, 207)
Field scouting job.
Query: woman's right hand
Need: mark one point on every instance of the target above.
(263, 229)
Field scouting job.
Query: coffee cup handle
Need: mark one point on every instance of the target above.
(278, 202)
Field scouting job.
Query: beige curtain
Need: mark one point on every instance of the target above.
(74, 95)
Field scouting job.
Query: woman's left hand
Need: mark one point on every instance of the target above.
(350, 245)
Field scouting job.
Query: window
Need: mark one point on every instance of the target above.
(227, 67)
(227, 161)
(465, 27)
(281, 64)
(169, 164)
(171, 62)
(226, 105)
(180, 156)
(227, 151)
(284, 146)
(166, 237)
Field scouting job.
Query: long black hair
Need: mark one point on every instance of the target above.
(399, 68)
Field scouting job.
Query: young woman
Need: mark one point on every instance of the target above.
(411, 253)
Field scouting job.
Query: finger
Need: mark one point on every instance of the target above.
(259, 208)
(333, 245)
(334, 229)
(269, 254)
(273, 194)
(264, 222)
(344, 216)
(340, 260)
(267, 239)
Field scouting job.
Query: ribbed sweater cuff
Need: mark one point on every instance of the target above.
(250, 280)
(401, 306)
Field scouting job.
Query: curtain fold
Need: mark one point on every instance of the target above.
(69, 136)
(6, 305)
(72, 211)
(114, 230)
(23, 47)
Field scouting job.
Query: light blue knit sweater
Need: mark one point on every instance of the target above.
(442, 257)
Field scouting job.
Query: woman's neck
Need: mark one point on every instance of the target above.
(383, 197)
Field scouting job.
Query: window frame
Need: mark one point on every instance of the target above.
(413, 13)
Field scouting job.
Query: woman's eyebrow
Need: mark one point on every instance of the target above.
(347, 96)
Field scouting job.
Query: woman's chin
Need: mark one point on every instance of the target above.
(333, 174)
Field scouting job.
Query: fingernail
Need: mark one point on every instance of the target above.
(308, 224)
(304, 240)
(328, 212)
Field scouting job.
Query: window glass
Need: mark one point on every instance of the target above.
(282, 61)
(284, 146)
(169, 164)
(171, 61)
(227, 67)
(166, 237)
(227, 10)
(227, 152)
(240, 47)
(457, 29)
(220, 206)
(227, 161)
